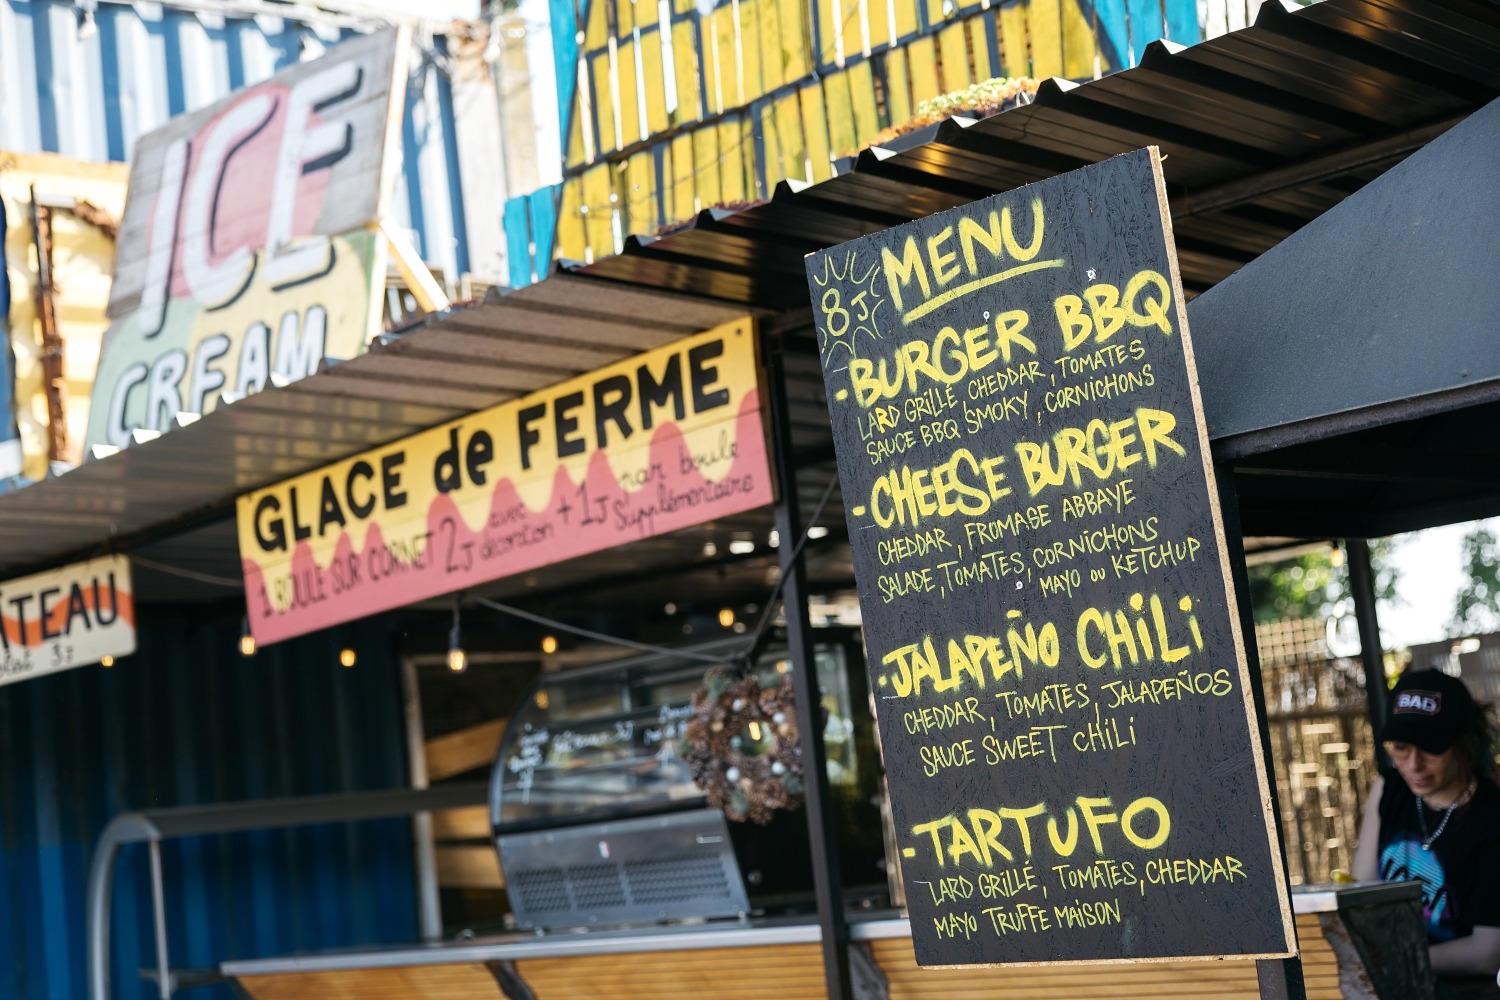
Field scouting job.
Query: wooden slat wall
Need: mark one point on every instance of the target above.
(466, 859)
(794, 971)
(431, 982)
(465, 750)
(780, 972)
(1226, 980)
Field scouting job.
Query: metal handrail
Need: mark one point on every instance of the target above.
(155, 825)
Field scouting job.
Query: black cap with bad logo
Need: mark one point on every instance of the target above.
(1430, 710)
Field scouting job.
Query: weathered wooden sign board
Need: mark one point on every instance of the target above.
(1062, 689)
(657, 442)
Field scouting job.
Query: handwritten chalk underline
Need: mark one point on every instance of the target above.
(975, 285)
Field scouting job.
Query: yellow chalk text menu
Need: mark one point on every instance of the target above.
(1061, 683)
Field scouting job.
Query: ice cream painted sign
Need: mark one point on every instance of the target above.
(662, 441)
(246, 252)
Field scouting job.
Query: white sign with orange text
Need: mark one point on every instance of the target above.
(65, 618)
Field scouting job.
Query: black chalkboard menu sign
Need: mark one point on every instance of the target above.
(1061, 683)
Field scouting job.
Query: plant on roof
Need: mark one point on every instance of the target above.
(985, 98)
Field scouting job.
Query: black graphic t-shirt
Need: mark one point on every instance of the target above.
(1460, 875)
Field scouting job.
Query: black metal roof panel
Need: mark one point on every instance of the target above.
(1391, 295)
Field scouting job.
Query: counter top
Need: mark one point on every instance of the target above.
(871, 926)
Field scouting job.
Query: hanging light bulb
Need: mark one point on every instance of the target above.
(347, 656)
(106, 661)
(458, 660)
(549, 644)
(726, 617)
(87, 27)
(247, 641)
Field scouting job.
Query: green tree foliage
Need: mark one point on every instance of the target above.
(1477, 606)
(1311, 584)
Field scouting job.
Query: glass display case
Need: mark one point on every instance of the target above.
(597, 750)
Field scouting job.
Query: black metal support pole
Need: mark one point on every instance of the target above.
(1280, 979)
(825, 857)
(1371, 652)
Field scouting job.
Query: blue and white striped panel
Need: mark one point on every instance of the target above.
(89, 91)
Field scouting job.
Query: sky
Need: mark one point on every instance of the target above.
(1429, 567)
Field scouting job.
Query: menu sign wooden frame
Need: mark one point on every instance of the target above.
(1062, 690)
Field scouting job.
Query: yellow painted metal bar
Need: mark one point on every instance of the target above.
(751, 155)
(796, 40)
(921, 56)
(1080, 44)
(717, 81)
(936, 14)
(979, 48)
(654, 82)
(571, 239)
(953, 43)
(732, 159)
(897, 87)
(876, 15)
(686, 61)
(732, 57)
(683, 204)
(862, 97)
(1046, 37)
(840, 114)
(604, 113)
(1014, 52)
(815, 132)
(630, 114)
(708, 182)
(788, 114)
(906, 18)
(748, 50)
(829, 31)
(596, 34)
(770, 148)
(640, 209)
(772, 61)
(413, 270)
(575, 133)
(598, 222)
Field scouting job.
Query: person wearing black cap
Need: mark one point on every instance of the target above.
(1437, 820)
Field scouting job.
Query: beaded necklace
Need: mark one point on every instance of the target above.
(1429, 840)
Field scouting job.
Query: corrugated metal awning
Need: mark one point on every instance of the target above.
(1264, 130)
(468, 359)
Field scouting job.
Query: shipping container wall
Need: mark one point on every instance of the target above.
(87, 80)
(187, 720)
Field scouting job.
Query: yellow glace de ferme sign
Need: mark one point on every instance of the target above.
(662, 441)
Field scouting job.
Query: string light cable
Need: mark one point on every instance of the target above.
(186, 574)
(740, 659)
